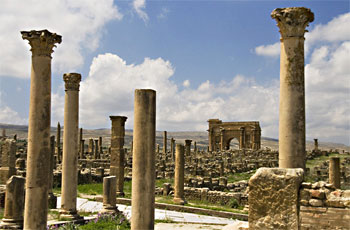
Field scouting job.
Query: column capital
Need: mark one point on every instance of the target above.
(41, 41)
(72, 81)
(292, 21)
(118, 118)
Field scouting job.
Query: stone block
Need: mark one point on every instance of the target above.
(273, 198)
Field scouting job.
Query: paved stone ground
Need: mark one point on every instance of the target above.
(185, 220)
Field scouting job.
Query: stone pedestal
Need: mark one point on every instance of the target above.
(292, 23)
(143, 169)
(70, 147)
(8, 160)
(14, 204)
(179, 175)
(334, 171)
(117, 151)
(38, 153)
(273, 199)
(109, 195)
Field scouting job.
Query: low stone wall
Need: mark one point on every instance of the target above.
(324, 207)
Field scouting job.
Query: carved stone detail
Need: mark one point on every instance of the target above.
(292, 21)
(41, 41)
(72, 81)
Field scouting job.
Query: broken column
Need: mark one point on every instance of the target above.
(188, 147)
(164, 143)
(315, 144)
(52, 199)
(117, 151)
(273, 199)
(82, 149)
(334, 172)
(91, 148)
(8, 160)
(143, 168)
(35, 211)
(109, 195)
(172, 148)
(292, 23)
(70, 147)
(96, 152)
(179, 175)
(100, 149)
(14, 204)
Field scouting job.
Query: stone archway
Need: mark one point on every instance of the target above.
(221, 133)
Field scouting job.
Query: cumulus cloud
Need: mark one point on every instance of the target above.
(79, 22)
(186, 83)
(139, 7)
(268, 50)
(109, 90)
(9, 116)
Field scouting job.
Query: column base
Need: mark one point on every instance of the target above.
(71, 216)
(180, 201)
(11, 224)
(110, 210)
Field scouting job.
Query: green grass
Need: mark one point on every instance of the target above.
(1, 213)
(319, 160)
(232, 178)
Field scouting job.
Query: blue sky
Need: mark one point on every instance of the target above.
(206, 59)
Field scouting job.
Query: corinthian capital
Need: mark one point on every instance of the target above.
(72, 81)
(41, 41)
(292, 21)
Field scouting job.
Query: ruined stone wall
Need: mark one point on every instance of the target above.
(324, 207)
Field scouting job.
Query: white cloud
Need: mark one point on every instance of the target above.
(268, 50)
(9, 116)
(139, 7)
(186, 83)
(109, 90)
(79, 22)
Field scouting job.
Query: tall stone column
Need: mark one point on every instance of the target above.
(14, 203)
(334, 171)
(179, 175)
(292, 23)
(172, 149)
(42, 43)
(81, 153)
(70, 146)
(96, 152)
(242, 138)
(82, 149)
(100, 149)
(316, 144)
(58, 142)
(52, 199)
(188, 147)
(165, 142)
(143, 169)
(117, 151)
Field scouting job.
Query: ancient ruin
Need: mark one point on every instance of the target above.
(220, 134)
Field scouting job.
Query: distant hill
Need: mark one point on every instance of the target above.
(200, 137)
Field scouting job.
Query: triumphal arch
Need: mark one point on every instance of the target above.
(248, 133)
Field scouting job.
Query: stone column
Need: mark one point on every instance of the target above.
(165, 143)
(82, 149)
(316, 144)
(109, 195)
(242, 138)
(334, 172)
(96, 152)
(222, 144)
(79, 143)
(52, 199)
(172, 148)
(179, 175)
(70, 147)
(292, 23)
(117, 151)
(35, 211)
(100, 146)
(188, 147)
(58, 142)
(14, 203)
(143, 169)
(91, 148)
(8, 160)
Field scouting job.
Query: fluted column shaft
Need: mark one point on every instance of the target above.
(179, 174)
(38, 153)
(70, 146)
(292, 23)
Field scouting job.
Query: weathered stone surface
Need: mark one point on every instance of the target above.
(273, 198)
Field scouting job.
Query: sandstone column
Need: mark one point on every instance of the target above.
(316, 144)
(79, 143)
(91, 148)
(70, 146)
(109, 195)
(100, 149)
(187, 147)
(52, 199)
(179, 175)
(143, 169)
(82, 149)
(97, 154)
(35, 211)
(165, 143)
(8, 160)
(58, 142)
(14, 203)
(292, 23)
(334, 171)
(242, 138)
(117, 151)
